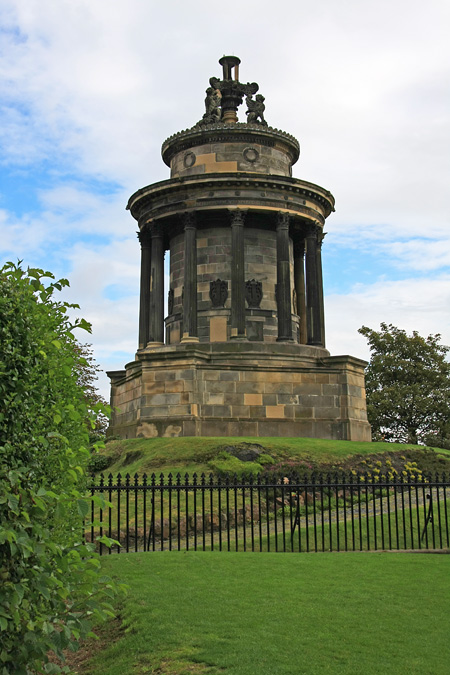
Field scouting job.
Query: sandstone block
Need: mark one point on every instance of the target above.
(248, 387)
(275, 411)
(252, 399)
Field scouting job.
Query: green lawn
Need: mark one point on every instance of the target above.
(401, 530)
(265, 613)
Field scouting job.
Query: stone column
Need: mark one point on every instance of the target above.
(190, 278)
(313, 319)
(237, 275)
(320, 238)
(283, 279)
(156, 332)
(144, 298)
(299, 282)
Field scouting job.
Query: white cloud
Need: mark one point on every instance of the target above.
(421, 255)
(64, 214)
(410, 304)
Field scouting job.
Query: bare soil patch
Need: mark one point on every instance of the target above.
(79, 661)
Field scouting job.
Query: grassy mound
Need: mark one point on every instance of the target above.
(256, 455)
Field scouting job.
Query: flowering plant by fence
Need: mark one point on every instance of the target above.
(315, 512)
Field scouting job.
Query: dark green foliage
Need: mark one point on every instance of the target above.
(410, 458)
(87, 375)
(51, 588)
(266, 460)
(407, 386)
(98, 463)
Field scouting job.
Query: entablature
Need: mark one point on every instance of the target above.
(218, 191)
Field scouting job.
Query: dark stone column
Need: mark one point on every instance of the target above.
(320, 239)
(144, 298)
(283, 279)
(190, 279)
(237, 275)
(157, 287)
(299, 282)
(313, 319)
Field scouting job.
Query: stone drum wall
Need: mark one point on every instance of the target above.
(213, 264)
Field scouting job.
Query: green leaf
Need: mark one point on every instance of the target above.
(108, 541)
(13, 503)
(82, 507)
(52, 669)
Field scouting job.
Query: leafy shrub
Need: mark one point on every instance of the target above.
(51, 588)
(98, 463)
(266, 460)
(227, 465)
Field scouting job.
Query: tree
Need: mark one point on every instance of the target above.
(49, 577)
(407, 385)
(86, 379)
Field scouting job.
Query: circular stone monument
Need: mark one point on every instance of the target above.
(240, 349)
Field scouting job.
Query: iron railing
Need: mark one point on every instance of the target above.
(317, 512)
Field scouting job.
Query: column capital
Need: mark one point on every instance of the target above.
(189, 220)
(313, 231)
(299, 248)
(320, 237)
(237, 216)
(156, 230)
(282, 220)
(144, 238)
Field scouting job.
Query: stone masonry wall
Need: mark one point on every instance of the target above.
(250, 157)
(161, 397)
(214, 262)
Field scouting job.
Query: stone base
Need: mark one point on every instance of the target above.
(240, 389)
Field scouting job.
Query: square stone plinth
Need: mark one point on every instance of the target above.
(240, 389)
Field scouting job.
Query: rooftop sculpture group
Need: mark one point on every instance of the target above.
(224, 96)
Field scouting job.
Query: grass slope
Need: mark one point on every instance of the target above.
(279, 614)
(193, 454)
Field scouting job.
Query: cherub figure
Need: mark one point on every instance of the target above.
(255, 110)
(212, 105)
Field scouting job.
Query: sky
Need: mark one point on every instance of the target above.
(89, 90)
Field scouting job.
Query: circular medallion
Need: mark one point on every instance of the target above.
(251, 155)
(189, 160)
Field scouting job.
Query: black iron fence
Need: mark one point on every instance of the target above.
(339, 512)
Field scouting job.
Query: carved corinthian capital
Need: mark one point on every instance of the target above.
(144, 237)
(237, 216)
(189, 220)
(282, 220)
